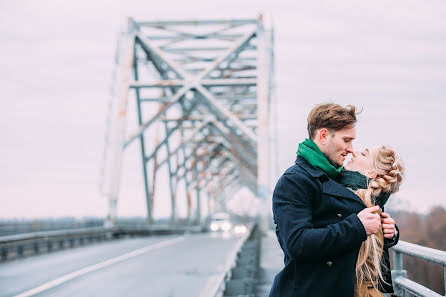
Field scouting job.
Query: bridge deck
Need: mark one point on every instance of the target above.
(163, 265)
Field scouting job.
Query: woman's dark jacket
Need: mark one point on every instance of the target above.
(385, 262)
(319, 232)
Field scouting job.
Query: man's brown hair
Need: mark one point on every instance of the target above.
(332, 116)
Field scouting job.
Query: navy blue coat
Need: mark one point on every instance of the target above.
(319, 232)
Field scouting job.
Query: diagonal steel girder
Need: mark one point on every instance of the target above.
(247, 174)
(244, 172)
(237, 160)
(212, 149)
(168, 134)
(153, 50)
(248, 169)
(165, 108)
(244, 169)
(241, 152)
(246, 148)
(232, 51)
(224, 183)
(220, 163)
(195, 83)
(184, 142)
(213, 104)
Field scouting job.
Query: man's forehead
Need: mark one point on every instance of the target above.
(347, 133)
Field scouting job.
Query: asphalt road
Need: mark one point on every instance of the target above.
(152, 266)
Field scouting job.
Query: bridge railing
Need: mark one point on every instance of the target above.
(406, 287)
(14, 246)
(219, 284)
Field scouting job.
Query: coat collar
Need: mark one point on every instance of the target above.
(314, 172)
(334, 188)
(330, 186)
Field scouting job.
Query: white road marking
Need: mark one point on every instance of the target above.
(77, 273)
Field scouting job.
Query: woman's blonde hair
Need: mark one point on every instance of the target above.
(389, 170)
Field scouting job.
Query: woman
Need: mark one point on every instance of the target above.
(373, 175)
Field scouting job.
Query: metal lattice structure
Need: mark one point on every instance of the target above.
(203, 93)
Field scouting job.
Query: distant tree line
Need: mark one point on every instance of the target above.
(426, 230)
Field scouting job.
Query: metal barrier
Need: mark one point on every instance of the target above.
(14, 246)
(23, 226)
(217, 285)
(406, 287)
(244, 275)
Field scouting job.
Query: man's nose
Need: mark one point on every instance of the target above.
(350, 149)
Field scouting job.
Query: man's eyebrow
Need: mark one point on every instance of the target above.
(367, 151)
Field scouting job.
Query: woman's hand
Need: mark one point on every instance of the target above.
(388, 225)
(370, 219)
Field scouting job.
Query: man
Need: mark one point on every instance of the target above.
(320, 224)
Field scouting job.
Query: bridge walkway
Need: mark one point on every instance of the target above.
(271, 262)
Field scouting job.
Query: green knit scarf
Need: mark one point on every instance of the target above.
(310, 152)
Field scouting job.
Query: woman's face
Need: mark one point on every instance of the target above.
(361, 162)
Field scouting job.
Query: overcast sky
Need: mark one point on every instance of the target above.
(56, 59)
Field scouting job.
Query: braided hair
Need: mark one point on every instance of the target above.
(388, 172)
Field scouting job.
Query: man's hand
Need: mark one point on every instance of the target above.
(370, 220)
(388, 225)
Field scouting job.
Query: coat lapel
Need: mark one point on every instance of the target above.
(329, 187)
(333, 188)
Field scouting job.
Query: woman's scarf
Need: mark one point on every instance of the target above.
(355, 180)
(313, 155)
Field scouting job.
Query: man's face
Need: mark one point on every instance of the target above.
(339, 145)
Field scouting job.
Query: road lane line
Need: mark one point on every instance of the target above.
(88, 269)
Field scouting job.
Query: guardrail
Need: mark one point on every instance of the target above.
(14, 246)
(23, 226)
(406, 287)
(217, 285)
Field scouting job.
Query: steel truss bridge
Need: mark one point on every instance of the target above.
(202, 94)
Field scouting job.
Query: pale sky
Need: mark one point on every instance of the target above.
(56, 60)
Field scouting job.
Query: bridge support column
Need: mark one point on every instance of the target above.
(172, 192)
(197, 189)
(117, 134)
(263, 104)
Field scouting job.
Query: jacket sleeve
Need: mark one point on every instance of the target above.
(294, 198)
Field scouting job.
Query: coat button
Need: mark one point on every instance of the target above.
(329, 263)
(339, 216)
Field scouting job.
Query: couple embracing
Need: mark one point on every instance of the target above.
(330, 219)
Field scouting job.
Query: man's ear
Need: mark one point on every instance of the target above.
(322, 135)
